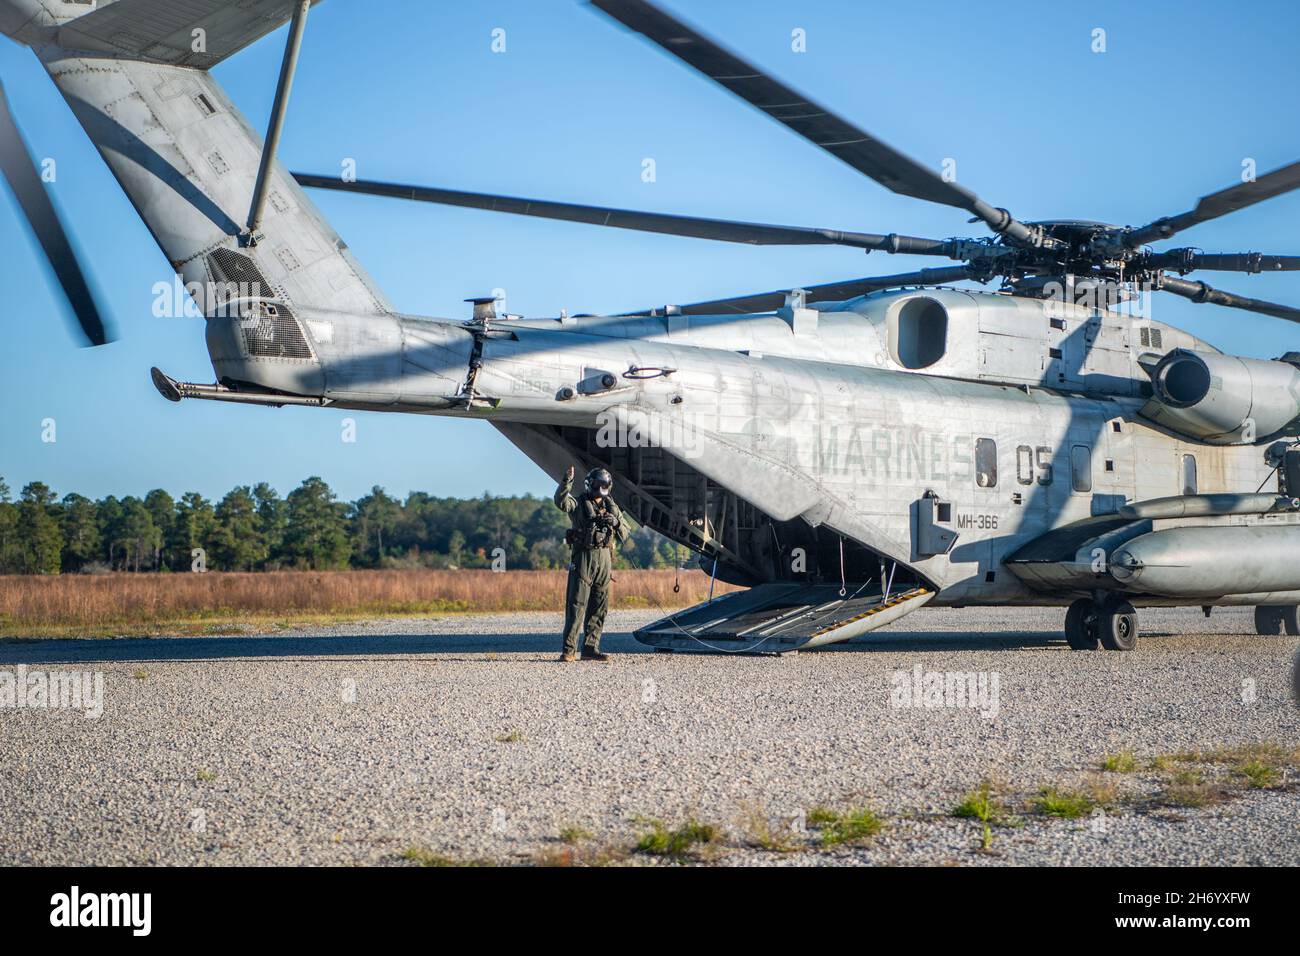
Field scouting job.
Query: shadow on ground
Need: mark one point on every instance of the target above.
(292, 645)
(472, 646)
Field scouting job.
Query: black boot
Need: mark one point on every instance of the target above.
(590, 655)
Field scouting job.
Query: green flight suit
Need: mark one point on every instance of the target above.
(587, 597)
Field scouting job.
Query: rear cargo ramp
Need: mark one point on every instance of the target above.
(778, 618)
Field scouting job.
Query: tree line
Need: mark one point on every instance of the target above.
(253, 529)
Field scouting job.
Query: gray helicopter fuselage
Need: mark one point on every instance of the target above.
(1024, 417)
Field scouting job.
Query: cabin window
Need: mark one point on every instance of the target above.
(918, 332)
(1081, 468)
(1189, 474)
(986, 463)
(1025, 465)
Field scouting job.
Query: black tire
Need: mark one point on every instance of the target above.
(1295, 681)
(1274, 619)
(1117, 626)
(1081, 625)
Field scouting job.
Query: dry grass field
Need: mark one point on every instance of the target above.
(139, 604)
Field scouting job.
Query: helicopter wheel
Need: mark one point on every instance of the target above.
(1081, 625)
(1277, 619)
(1117, 626)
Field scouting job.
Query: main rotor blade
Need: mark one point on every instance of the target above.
(1189, 260)
(818, 125)
(849, 289)
(1218, 204)
(755, 233)
(19, 169)
(1200, 292)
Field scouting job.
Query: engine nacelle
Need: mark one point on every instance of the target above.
(1223, 399)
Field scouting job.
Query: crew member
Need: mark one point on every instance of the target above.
(597, 526)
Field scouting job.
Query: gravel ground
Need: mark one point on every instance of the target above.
(464, 737)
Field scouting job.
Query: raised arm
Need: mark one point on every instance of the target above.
(563, 499)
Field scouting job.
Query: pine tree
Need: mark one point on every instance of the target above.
(162, 511)
(137, 535)
(317, 535)
(108, 515)
(271, 520)
(81, 539)
(193, 528)
(237, 544)
(374, 518)
(39, 539)
(9, 563)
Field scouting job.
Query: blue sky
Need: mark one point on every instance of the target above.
(1036, 121)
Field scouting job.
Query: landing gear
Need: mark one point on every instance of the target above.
(1118, 626)
(1277, 619)
(1081, 625)
(1111, 623)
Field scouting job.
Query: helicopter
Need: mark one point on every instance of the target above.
(846, 452)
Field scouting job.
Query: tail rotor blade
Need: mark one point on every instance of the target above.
(18, 168)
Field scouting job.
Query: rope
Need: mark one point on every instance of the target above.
(672, 619)
(843, 586)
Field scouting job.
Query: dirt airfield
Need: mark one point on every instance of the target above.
(970, 737)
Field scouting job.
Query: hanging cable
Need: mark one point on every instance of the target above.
(843, 585)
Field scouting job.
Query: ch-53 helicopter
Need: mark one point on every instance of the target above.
(850, 452)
